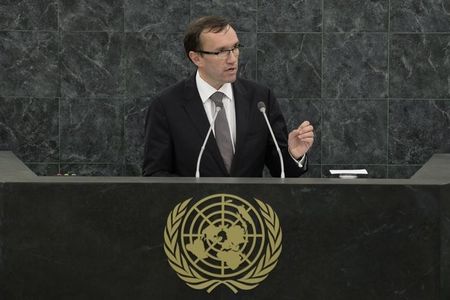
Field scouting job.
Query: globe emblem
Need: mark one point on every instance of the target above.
(222, 236)
(222, 240)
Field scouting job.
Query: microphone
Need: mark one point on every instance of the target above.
(197, 169)
(262, 109)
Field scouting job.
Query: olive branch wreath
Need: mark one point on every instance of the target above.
(196, 281)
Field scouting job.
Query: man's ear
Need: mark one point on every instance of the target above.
(195, 57)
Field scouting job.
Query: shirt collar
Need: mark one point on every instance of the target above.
(205, 90)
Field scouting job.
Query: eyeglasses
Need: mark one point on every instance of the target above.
(223, 54)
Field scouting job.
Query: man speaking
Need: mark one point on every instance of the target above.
(182, 117)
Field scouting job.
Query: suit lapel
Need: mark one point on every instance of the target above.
(194, 107)
(242, 105)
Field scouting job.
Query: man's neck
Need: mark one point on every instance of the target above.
(216, 85)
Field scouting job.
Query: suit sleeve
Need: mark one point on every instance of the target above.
(158, 146)
(279, 127)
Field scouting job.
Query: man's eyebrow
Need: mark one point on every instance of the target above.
(224, 48)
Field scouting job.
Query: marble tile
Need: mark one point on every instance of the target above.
(91, 15)
(420, 66)
(420, 16)
(135, 111)
(298, 110)
(154, 62)
(356, 15)
(402, 172)
(134, 170)
(355, 65)
(91, 169)
(133, 49)
(29, 64)
(92, 130)
(290, 64)
(241, 13)
(46, 169)
(29, 128)
(247, 57)
(289, 16)
(29, 15)
(375, 171)
(248, 39)
(417, 129)
(156, 15)
(354, 132)
(92, 64)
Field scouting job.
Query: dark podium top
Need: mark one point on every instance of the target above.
(104, 237)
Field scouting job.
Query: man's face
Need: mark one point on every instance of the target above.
(215, 70)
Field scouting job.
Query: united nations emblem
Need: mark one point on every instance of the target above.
(222, 239)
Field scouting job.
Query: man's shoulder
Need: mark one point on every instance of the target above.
(175, 89)
(173, 95)
(251, 89)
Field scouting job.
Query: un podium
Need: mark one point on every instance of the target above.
(224, 238)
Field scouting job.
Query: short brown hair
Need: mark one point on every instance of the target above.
(195, 28)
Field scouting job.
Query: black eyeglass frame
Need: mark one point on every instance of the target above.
(217, 53)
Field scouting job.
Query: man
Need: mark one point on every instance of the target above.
(179, 118)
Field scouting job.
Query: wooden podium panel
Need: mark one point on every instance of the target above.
(103, 238)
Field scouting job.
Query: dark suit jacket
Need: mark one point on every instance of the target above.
(176, 126)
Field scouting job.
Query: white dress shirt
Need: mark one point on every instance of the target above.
(205, 90)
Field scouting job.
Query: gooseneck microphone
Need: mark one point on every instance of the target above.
(262, 109)
(197, 169)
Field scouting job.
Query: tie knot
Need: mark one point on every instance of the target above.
(217, 98)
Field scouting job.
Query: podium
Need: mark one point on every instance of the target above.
(104, 237)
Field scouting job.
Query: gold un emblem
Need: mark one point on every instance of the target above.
(222, 239)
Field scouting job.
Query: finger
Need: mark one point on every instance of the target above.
(308, 128)
(303, 124)
(306, 135)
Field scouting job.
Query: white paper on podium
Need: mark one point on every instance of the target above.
(349, 172)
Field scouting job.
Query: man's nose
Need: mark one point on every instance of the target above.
(231, 56)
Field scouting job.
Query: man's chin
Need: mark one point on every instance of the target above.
(232, 78)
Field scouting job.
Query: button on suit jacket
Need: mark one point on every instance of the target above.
(176, 126)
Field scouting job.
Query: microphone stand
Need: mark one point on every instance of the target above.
(262, 109)
(197, 169)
